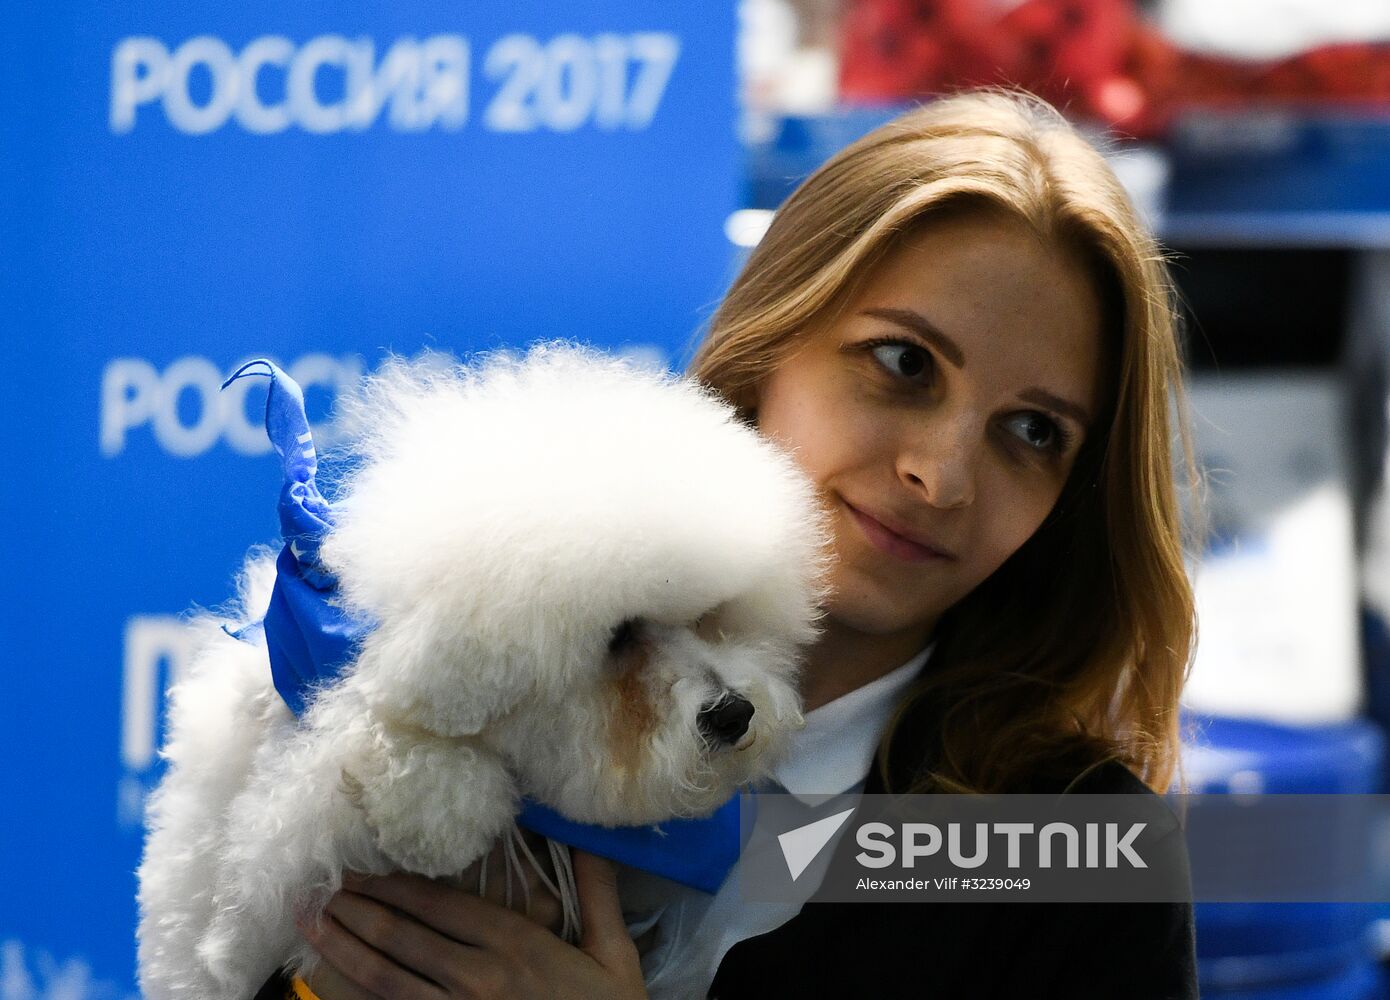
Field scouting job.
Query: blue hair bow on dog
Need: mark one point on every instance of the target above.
(310, 638)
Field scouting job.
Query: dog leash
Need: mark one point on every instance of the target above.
(567, 891)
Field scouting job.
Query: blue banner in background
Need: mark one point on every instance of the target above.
(186, 186)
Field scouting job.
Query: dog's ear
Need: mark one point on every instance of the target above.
(451, 690)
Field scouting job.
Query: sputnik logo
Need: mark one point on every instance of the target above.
(800, 846)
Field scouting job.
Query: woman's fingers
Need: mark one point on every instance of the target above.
(405, 937)
(362, 964)
(453, 912)
(605, 937)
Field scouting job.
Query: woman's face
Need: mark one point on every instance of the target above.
(939, 416)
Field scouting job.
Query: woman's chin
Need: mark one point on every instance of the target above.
(881, 618)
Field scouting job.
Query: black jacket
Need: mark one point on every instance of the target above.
(980, 951)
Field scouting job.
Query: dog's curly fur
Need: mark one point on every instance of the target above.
(502, 522)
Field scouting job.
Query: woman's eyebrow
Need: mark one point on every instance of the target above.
(924, 328)
(929, 331)
(1064, 406)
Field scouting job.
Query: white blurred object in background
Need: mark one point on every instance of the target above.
(1276, 589)
(1271, 29)
(787, 57)
(1144, 171)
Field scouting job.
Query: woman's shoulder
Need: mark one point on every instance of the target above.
(996, 949)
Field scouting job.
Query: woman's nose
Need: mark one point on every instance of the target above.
(941, 466)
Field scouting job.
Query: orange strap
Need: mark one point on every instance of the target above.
(299, 990)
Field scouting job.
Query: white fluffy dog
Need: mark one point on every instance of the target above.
(591, 584)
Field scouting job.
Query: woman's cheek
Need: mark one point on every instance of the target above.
(1018, 519)
(865, 430)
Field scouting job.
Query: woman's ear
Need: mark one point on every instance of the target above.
(746, 405)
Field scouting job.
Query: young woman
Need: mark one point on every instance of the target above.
(965, 335)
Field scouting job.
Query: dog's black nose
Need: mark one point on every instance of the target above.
(727, 719)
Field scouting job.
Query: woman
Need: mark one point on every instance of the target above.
(967, 339)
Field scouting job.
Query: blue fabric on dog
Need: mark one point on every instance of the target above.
(310, 638)
(693, 852)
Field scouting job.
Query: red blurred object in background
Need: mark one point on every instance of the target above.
(1351, 73)
(1095, 59)
(1072, 52)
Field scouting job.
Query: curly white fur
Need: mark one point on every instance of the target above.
(500, 522)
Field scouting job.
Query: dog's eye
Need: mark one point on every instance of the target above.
(624, 635)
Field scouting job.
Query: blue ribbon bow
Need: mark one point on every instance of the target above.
(310, 638)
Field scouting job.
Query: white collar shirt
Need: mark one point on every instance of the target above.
(694, 930)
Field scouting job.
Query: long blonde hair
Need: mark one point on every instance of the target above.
(1076, 649)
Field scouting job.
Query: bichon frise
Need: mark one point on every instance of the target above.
(591, 584)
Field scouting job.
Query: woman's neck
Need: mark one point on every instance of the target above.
(844, 659)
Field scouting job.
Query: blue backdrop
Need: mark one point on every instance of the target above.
(185, 186)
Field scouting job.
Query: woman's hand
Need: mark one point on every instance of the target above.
(405, 937)
(329, 984)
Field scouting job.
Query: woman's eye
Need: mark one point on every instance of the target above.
(1039, 432)
(901, 358)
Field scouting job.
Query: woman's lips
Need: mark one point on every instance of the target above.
(892, 543)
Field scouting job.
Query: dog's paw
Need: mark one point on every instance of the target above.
(436, 805)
